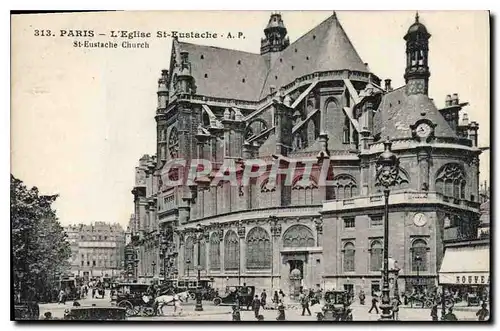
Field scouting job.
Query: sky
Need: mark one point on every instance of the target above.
(81, 118)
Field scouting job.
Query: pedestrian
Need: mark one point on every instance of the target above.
(236, 313)
(434, 312)
(281, 311)
(450, 316)
(93, 292)
(374, 304)
(395, 308)
(362, 297)
(483, 313)
(282, 297)
(276, 299)
(304, 300)
(61, 297)
(256, 306)
(263, 297)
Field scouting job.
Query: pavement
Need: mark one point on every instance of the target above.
(293, 312)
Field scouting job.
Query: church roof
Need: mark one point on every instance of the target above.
(225, 73)
(232, 74)
(325, 47)
(397, 111)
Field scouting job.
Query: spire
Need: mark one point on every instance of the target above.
(416, 17)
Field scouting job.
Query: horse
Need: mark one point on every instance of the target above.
(164, 300)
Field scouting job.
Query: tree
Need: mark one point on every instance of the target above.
(40, 250)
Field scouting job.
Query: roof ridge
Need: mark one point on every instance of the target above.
(313, 28)
(216, 47)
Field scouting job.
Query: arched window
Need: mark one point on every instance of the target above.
(376, 255)
(259, 254)
(303, 191)
(214, 252)
(344, 187)
(451, 181)
(189, 253)
(269, 196)
(298, 236)
(173, 143)
(419, 255)
(231, 251)
(349, 255)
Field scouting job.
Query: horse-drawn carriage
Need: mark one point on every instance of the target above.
(243, 294)
(337, 307)
(132, 297)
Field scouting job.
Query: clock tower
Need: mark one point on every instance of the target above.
(417, 54)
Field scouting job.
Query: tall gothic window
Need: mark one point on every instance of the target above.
(189, 253)
(214, 252)
(451, 181)
(419, 255)
(173, 143)
(349, 257)
(376, 255)
(298, 236)
(344, 187)
(231, 251)
(303, 193)
(259, 254)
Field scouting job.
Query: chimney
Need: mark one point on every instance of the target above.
(272, 89)
(454, 99)
(388, 87)
(465, 119)
(447, 101)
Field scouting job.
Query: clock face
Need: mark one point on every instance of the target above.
(419, 219)
(423, 130)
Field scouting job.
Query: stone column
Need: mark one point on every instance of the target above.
(318, 223)
(275, 237)
(247, 154)
(243, 246)
(365, 177)
(423, 157)
(220, 232)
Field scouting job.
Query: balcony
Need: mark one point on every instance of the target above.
(400, 197)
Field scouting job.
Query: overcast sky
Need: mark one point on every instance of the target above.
(82, 118)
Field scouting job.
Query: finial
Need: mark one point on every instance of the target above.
(334, 14)
(416, 17)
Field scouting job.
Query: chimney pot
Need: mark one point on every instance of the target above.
(388, 85)
(455, 99)
(447, 101)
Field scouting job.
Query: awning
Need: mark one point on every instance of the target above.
(465, 266)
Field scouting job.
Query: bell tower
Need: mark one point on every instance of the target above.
(276, 39)
(417, 59)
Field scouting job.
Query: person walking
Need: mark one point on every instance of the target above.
(93, 292)
(434, 312)
(374, 304)
(281, 311)
(263, 297)
(395, 308)
(483, 313)
(236, 313)
(304, 300)
(282, 297)
(256, 306)
(362, 297)
(61, 297)
(276, 299)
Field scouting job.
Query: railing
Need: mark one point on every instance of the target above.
(400, 197)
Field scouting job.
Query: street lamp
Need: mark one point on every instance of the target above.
(153, 264)
(188, 262)
(199, 237)
(387, 174)
(136, 264)
(418, 260)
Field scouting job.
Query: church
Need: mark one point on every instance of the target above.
(313, 101)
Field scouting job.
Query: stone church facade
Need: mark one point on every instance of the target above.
(316, 102)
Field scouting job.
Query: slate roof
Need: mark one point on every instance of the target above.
(397, 111)
(220, 73)
(225, 70)
(325, 47)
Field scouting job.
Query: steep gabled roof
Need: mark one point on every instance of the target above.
(397, 111)
(325, 47)
(225, 73)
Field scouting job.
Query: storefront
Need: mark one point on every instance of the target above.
(465, 271)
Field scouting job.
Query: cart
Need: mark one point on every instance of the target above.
(133, 297)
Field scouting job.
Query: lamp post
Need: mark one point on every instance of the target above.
(387, 174)
(136, 264)
(153, 264)
(188, 262)
(418, 259)
(199, 237)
